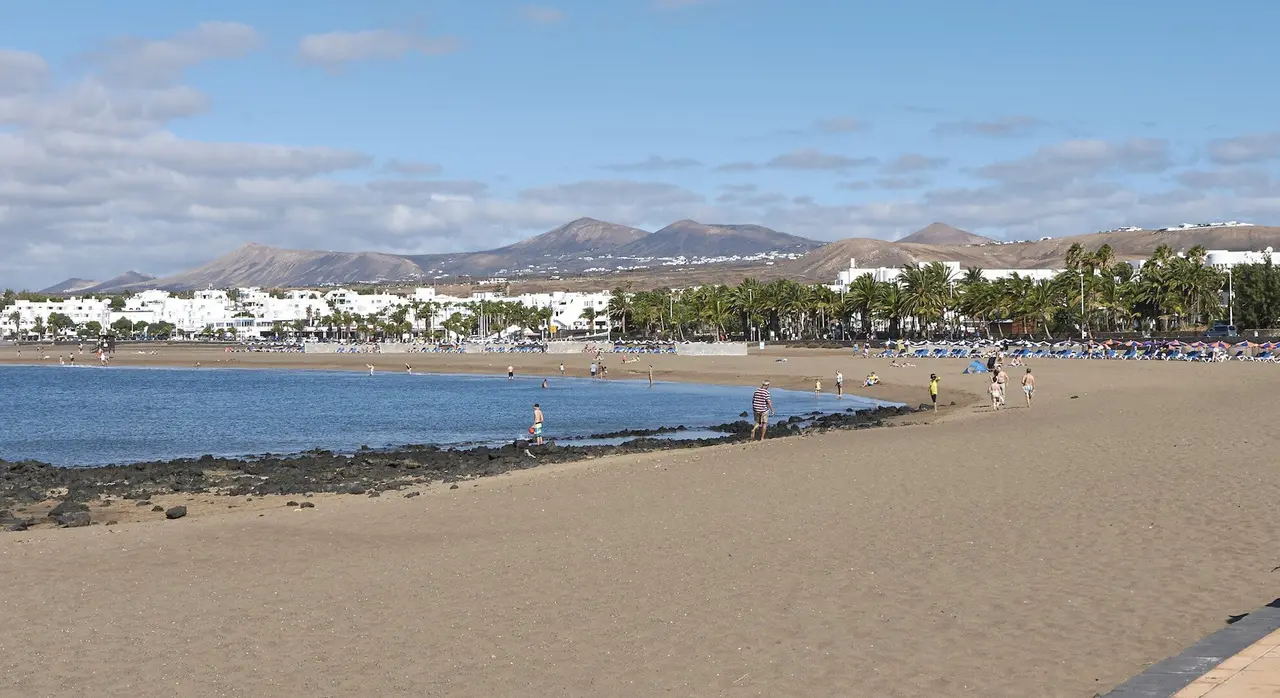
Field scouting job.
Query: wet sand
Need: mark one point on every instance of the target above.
(1045, 552)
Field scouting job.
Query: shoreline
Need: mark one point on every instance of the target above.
(29, 490)
(35, 494)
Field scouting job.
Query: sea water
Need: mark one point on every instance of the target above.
(86, 415)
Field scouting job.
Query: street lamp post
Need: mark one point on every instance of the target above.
(1083, 319)
(1231, 301)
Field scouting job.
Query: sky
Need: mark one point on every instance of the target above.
(149, 136)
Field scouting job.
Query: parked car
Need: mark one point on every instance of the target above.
(1221, 329)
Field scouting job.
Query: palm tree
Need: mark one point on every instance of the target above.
(863, 299)
(620, 307)
(889, 307)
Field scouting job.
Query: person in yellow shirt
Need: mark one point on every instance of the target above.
(933, 390)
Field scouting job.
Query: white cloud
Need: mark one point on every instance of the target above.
(333, 50)
(1007, 127)
(655, 163)
(92, 107)
(1082, 159)
(408, 167)
(539, 14)
(1258, 147)
(814, 159)
(912, 162)
(158, 62)
(21, 71)
(840, 124)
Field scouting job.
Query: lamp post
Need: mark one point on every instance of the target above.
(1231, 301)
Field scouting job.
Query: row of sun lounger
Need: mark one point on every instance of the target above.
(1115, 354)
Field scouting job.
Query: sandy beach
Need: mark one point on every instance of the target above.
(1052, 551)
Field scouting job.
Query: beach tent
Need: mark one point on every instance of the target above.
(977, 367)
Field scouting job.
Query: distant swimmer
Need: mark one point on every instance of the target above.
(197, 364)
(544, 383)
(370, 367)
(61, 361)
(408, 369)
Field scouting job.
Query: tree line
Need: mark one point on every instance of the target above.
(1094, 293)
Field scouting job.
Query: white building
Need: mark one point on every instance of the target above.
(1224, 259)
(889, 274)
(80, 310)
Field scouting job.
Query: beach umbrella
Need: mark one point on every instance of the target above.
(1268, 345)
(1220, 345)
(1174, 343)
(1245, 345)
(1198, 345)
(1132, 343)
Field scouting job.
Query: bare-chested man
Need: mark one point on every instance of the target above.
(1001, 378)
(1028, 386)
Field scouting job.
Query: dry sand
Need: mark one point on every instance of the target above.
(1045, 552)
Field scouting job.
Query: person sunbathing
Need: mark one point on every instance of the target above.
(872, 379)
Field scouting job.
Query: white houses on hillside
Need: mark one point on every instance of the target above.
(887, 274)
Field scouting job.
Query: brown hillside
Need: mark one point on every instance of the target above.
(943, 234)
(826, 261)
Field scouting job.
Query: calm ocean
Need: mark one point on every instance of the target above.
(85, 415)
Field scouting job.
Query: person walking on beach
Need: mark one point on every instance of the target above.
(817, 387)
(562, 369)
(370, 367)
(933, 390)
(408, 369)
(1001, 379)
(593, 369)
(994, 390)
(762, 407)
(1028, 386)
(511, 373)
(537, 423)
(839, 385)
(650, 375)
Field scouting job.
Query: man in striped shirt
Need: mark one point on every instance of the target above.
(762, 406)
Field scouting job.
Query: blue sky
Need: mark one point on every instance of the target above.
(155, 136)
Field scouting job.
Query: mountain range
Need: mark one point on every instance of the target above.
(572, 248)
(589, 245)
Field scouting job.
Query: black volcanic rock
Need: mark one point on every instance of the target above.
(73, 519)
(175, 512)
(372, 470)
(67, 506)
